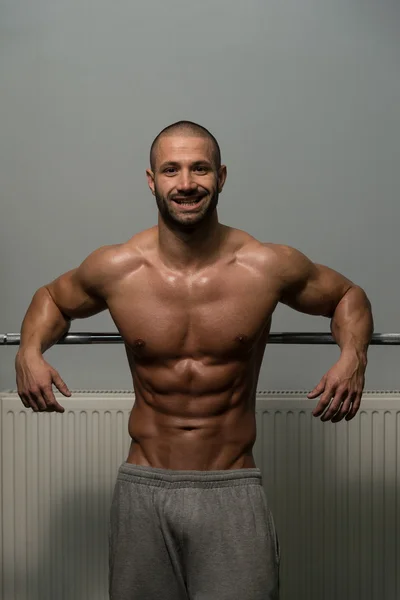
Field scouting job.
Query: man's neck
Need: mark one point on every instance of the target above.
(191, 249)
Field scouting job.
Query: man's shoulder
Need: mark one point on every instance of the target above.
(279, 261)
(111, 262)
(266, 253)
(281, 253)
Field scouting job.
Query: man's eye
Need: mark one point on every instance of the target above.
(201, 169)
(169, 170)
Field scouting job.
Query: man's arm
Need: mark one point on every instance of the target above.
(76, 294)
(318, 290)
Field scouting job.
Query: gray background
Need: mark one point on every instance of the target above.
(303, 97)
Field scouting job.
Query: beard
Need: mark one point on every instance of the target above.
(171, 214)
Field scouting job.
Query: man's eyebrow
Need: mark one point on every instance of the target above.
(196, 163)
(169, 163)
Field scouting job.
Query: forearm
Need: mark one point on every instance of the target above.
(43, 325)
(352, 323)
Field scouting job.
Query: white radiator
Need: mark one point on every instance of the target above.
(334, 491)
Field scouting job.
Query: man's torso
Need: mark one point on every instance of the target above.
(195, 342)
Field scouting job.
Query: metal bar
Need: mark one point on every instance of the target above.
(13, 339)
(378, 339)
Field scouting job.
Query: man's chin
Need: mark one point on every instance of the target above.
(186, 219)
(189, 219)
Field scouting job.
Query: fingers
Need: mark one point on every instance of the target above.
(338, 398)
(318, 389)
(24, 399)
(323, 403)
(51, 403)
(35, 378)
(32, 398)
(60, 384)
(40, 398)
(355, 406)
(338, 404)
(344, 407)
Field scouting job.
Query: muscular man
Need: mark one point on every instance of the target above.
(193, 301)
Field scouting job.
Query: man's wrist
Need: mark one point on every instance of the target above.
(356, 353)
(29, 350)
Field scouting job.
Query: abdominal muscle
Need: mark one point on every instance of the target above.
(189, 416)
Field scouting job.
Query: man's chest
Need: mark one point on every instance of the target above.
(215, 316)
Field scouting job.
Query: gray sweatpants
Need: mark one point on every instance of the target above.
(191, 535)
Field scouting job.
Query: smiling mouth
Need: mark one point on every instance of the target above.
(187, 201)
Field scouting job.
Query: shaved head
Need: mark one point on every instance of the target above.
(187, 129)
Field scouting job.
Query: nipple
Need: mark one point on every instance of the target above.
(139, 343)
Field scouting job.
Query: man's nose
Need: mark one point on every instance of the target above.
(185, 182)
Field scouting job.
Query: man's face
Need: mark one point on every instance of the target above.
(185, 180)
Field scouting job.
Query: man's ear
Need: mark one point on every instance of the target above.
(222, 173)
(150, 180)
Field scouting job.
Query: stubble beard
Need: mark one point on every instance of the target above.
(182, 221)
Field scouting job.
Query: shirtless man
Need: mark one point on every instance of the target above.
(193, 301)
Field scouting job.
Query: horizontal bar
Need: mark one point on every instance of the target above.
(378, 339)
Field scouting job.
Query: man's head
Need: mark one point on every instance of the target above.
(186, 175)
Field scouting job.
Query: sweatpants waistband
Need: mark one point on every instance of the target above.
(166, 478)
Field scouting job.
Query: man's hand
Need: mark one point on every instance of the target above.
(341, 388)
(35, 378)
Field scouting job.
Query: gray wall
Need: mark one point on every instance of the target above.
(303, 96)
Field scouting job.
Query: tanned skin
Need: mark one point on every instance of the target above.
(193, 301)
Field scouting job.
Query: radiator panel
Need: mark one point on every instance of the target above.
(333, 490)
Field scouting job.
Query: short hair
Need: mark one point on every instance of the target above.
(190, 129)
